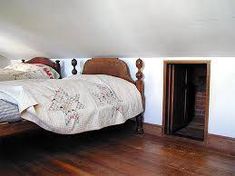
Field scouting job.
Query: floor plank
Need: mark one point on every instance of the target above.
(113, 151)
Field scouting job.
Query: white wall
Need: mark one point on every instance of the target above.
(4, 61)
(222, 103)
(122, 28)
(222, 90)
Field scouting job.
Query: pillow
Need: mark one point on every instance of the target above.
(49, 70)
(33, 68)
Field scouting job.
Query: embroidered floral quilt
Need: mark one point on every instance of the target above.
(76, 104)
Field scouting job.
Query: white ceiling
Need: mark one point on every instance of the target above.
(123, 28)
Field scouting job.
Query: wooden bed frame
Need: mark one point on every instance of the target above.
(118, 68)
(46, 61)
(109, 66)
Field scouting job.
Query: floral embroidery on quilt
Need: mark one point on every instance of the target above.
(69, 105)
(104, 95)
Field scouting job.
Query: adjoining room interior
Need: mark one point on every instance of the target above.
(186, 100)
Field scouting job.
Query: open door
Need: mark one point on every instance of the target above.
(185, 99)
(179, 98)
(179, 116)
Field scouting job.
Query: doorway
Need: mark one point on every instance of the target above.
(186, 99)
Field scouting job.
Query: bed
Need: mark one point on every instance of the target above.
(36, 68)
(79, 103)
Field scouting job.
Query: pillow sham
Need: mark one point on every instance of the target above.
(33, 68)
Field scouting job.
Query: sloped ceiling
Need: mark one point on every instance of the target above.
(123, 28)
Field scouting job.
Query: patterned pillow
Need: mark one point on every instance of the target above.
(50, 71)
(35, 68)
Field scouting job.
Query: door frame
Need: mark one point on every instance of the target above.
(208, 67)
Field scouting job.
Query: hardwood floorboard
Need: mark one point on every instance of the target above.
(115, 151)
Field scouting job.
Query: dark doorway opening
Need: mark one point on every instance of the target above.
(186, 92)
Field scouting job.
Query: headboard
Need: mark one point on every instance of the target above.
(46, 61)
(113, 67)
(108, 66)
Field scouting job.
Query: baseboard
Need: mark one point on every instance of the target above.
(216, 142)
(221, 143)
(152, 129)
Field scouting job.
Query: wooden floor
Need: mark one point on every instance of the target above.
(115, 151)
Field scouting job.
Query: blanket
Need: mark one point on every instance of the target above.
(76, 104)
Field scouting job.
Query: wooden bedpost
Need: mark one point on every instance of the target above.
(74, 64)
(23, 61)
(57, 65)
(140, 86)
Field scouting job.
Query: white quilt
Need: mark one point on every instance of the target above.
(76, 104)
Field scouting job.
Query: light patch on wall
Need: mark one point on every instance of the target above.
(10, 45)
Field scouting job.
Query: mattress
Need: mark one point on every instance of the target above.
(9, 112)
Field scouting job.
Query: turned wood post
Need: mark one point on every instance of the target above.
(140, 86)
(58, 69)
(23, 60)
(74, 64)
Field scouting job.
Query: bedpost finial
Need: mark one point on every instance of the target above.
(23, 60)
(139, 65)
(74, 64)
(57, 61)
(57, 66)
